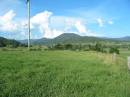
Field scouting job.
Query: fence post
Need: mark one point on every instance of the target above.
(129, 62)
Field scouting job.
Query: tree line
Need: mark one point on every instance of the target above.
(99, 47)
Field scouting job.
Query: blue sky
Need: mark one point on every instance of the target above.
(103, 18)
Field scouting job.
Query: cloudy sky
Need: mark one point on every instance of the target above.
(50, 18)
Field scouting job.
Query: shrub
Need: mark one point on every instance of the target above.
(114, 50)
(59, 46)
(68, 46)
(99, 47)
(4, 49)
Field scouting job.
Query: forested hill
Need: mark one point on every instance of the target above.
(9, 42)
(73, 38)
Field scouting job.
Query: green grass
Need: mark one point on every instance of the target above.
(63, 74)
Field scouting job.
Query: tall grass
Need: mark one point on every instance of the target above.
(62, 74)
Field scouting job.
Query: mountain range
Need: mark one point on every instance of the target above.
(73, 38)
(9, 42)
(64, 39)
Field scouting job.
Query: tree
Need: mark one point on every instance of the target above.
(68, 46)
(98, 47)
(59, 46)
(114, 50)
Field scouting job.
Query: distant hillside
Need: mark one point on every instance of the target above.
(41, 41)
(8, 42)
(74, 38)
(127, 38)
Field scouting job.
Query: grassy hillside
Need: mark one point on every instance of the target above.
(8, 42)
(76, 39)
(63, 74)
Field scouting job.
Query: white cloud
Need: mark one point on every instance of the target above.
(100, 22)
(69, 23)
(80, 27)
(7, 23)
(8, 16)
(49, 26)
(42, 21)
(52, 26)
(42, 17)
(110, 22)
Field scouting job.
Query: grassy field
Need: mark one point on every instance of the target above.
(63, 74)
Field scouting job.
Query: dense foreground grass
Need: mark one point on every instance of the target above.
(63, 74)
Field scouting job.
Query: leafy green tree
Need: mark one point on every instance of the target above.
(59, 46)
(114, 50)
(99, 47)
(68, 46)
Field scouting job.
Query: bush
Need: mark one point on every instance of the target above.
(4, 49)
(36, 48)
(114, 50)
(59, 46)
(68, 46)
